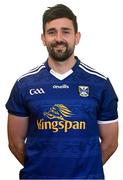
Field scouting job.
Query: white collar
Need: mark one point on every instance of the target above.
(61, 76)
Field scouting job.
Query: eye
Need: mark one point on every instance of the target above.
(66, 32)
(51, 32)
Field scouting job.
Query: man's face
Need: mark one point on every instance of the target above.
(60, 39)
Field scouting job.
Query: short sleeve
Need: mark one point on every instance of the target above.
(108, 107)
(15, 104)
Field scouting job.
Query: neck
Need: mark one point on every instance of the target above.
(62, 67)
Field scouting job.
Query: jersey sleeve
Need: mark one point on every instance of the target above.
(108, 107)
(15, 104)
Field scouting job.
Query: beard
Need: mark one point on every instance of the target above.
(60, 51)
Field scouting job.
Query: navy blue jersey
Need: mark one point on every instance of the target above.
(64, 114)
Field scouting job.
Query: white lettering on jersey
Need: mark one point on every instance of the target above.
(63, 86)
(36, 91)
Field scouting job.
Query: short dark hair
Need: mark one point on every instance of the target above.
(59, 11)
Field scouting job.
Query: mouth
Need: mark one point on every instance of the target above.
(60, 48)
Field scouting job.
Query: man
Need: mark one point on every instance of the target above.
(62, 121)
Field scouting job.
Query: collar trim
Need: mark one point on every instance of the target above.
(61, 76)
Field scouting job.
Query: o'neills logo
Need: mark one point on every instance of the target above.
(63, 86)
(59, 112)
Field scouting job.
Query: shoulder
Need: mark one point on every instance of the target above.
(32, 74)
(91, 72)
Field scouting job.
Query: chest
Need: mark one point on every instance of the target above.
(80, 99)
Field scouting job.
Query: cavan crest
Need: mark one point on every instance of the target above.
(83, 91)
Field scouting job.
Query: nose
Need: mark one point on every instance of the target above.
(59, 36)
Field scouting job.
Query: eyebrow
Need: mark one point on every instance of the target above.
(51, 29)
(63, 28)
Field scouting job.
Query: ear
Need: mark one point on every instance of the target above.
(78, 36)
(43, 39)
